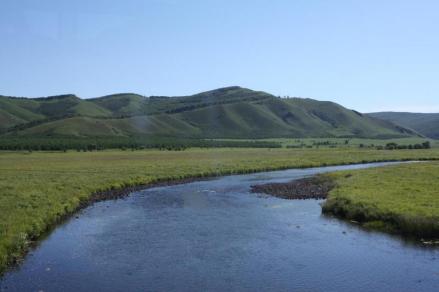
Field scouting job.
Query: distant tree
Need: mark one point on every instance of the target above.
(426, 145)
(391, 146)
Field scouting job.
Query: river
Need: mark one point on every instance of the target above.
(217, 236)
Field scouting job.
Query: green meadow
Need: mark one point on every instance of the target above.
(38, 189)
(399, 198)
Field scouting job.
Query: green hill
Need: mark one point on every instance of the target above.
(425, 123)
(231, 112)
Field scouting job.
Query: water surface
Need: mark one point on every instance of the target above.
(216, 236)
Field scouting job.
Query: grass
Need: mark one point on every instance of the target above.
(38, 189)
(401, 198)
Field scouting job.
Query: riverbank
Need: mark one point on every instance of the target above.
(98, 196)
(401, 199)
(38, 190)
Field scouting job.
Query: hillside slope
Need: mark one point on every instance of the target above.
(425, 123)
(231, 112)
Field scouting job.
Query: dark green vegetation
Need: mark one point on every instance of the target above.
(231, 112)
(38, 189)
(379, 144)
(123, 143)
(393, 146)
(401, 198)
(424, 123)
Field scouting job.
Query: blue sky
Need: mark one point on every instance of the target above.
(366, 55)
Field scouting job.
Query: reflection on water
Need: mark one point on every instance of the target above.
(197, 199)
(215, 235)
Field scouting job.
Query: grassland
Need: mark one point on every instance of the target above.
(38, 189)
(400, 198)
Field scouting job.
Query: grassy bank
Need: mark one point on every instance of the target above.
(400, 199)
(38, 189)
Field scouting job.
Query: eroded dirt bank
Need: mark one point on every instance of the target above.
(316, 187)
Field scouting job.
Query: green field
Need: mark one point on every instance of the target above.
(400, 198)
(37, 189)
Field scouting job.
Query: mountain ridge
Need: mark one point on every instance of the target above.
(229, 112)
(425, 123)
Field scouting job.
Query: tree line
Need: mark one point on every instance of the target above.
(122, 143)
(394, 146)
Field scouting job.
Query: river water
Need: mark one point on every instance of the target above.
(217, 236)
